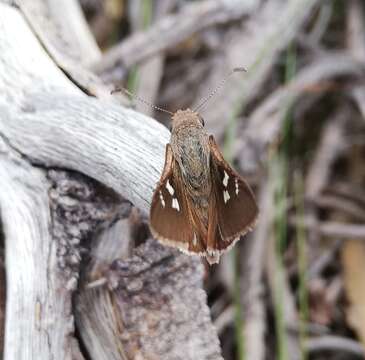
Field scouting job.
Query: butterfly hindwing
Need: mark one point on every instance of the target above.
(235, 204)
(170, 216)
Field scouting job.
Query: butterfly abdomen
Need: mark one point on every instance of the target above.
(191, 151)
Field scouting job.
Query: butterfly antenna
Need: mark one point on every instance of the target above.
(134, 96)
(207, 98)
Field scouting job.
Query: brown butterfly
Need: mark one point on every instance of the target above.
(201, 205)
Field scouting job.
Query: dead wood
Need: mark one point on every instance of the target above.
(355, 37)
(53, 123)
(171, 30)
(264, 124)
(281, 294)
(48, 218)
(331, 144)
(333, 229)
(358, 93)
(335, 344)
(66, 37)
(322, 261)
(252, 280)
(356, 30)
(38, 305)
(255, 46)
(341, 204)
(158, 305)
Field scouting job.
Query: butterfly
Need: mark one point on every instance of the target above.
(200, 205)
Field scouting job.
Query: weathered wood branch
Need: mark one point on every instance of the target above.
(64, 33)
(62, 28)
(38, 308)
(47, 121)
(158, 308)
(46, 118)
(104, 141)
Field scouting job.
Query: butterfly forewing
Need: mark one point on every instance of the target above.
(170, 214)
(236, 206)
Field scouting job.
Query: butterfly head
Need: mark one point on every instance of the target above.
(186, 118)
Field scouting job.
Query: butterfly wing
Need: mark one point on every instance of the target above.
(236, 208)
(171, 219)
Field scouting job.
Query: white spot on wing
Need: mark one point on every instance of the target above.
(162, 200)
(169, 188)
(175, 204)
(225, 179)
(226, 196)
(195, 240)
(237, 189)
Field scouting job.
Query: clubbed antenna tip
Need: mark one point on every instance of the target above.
(239, 69)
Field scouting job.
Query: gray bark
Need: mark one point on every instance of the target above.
(36, 296)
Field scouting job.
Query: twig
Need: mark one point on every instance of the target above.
(252, 283)
(224, 319)
(358, 94)
(277, 277)
(334, 229)
(355, 36)
(330, 146)
(340, 230)
(322, 261)
(341, 204)
(321, 25)
(350, 190)
(332, 143)
(355, 29)
(335, 343)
